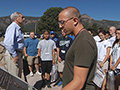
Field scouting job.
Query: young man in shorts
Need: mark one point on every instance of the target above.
(47, 54)
(63, 44)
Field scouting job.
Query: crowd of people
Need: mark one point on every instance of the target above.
(77, 52)
(108, 53)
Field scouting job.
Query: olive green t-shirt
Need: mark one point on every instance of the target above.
(82, 53)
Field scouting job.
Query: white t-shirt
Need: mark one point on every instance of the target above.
(102, 49)
(112, 40)
(97, 38)
(116, 54)
(46, 47)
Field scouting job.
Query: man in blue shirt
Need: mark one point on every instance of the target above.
(71, 36)
(30, 51)
(14, 44)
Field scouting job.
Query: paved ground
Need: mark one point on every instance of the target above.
(37, 83)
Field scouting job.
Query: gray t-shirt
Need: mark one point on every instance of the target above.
(46, 47)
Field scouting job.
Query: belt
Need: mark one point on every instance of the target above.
(18, 51)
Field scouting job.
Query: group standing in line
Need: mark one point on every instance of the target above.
(108, 54)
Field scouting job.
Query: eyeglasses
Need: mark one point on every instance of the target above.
(22, 17)
(62, 22)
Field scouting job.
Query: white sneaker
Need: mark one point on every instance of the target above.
(38, 73)
(31, 74)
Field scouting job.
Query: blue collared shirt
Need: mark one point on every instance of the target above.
(14, 39)
(31, 46)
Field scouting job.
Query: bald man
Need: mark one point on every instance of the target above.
(81, 57)
(112, 31)
(30, 51)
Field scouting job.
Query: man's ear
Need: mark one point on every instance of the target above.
(75, 21)
(16, 18)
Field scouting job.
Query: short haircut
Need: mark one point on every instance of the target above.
(102, 31)
(73, 12)
(32, 32)
(108, 32)
(15, 14)
(46, 31)
(90, 30)
(113, 28)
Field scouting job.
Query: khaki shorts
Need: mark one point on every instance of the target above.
(105, 65)
(33, 59)
(61, 66)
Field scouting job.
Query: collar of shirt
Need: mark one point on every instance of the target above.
(18, 27)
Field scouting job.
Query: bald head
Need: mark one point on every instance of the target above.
(71, 12)
(69, 20)
(112, 30)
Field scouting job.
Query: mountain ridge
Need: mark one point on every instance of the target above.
(31, 21)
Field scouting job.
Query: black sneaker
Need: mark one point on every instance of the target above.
(48, 85)
(43, 84)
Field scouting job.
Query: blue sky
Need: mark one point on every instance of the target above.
(97, 9)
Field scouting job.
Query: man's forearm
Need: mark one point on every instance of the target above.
(25, 51)
(39, 52)
(57, 52)
(54, 56)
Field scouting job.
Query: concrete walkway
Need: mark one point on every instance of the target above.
(36, 81)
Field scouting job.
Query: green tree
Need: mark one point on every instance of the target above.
(2, 30)
(49, 20)
(94, 27)
(86, 25)
(23, 29)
